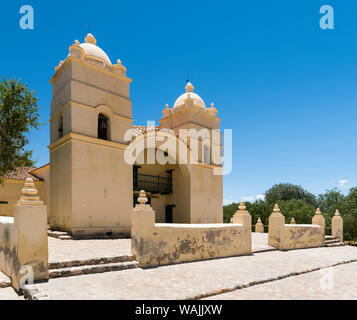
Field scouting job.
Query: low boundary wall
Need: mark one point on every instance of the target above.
(295, 236)
(161, 244)
(23, 240)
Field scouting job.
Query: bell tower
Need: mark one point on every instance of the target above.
(90, 114)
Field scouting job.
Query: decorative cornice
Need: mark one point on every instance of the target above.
(186, 109)
(89, 65)
(112, 113)
(85, 139)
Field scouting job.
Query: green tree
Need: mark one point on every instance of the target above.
(228, 211)
(288, 191)
(328, 202)
(19, 113)
(298, 209)
(348, 210)
(260, 209)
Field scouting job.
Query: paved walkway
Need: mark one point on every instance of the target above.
(206, 278)
(336, 283)
(9, 294)
(69, 250)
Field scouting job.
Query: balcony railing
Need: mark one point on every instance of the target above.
(153, 184)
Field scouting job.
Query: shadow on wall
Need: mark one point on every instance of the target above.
(161, 244)
(24, 243)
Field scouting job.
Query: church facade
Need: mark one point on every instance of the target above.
(92, 185)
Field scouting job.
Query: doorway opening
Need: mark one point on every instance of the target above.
(169, 210)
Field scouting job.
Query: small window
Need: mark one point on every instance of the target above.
(103, 127)
(206, 153)
(60, 126)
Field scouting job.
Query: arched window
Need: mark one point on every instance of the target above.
(206, 153)
(103, 127)
(60, 126)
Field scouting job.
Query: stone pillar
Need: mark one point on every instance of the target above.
(142, 223)
(292, 221)
(242, 216)
(259, 227)
(337, 226)
(319, 219)
(30, 220)
(276, 223)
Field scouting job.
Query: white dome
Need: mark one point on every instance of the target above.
(197, 100)
(92, 50)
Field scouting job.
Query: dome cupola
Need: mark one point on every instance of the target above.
(89, 52)
(189, 99)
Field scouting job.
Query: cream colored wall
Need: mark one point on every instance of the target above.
(160, 244)
(195, 118)
(11, 190)
(91, 185)
(102, 189)
(7, 244)
(181, 185)
(294, 236)
(60, 187)
(197, 192)
(297, 236)
(158, 204)
(79, 89)
(24, 243)
(206, 195)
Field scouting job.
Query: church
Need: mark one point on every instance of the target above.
(90, 187)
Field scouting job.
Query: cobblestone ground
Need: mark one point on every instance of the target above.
(68, 250)
(203, 278)
(260, 242)
(334, 283)
(9, 294)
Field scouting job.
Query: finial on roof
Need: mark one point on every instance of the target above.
(337, 213)
(142, 198)
(259, 220)
(276, 210)
(76, 42)
(29, 194)
(90, 39)
(189, 87)
(292, 221)
(318, 211)
(242, 206)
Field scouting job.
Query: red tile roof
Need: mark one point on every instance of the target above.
(139, 130)
(21, 173)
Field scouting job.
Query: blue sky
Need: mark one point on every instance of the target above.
(286, 87)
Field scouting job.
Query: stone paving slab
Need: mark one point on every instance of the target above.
(197, 279)
(9, 294)
(260, 242)
(310, 286)
(68, 250)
